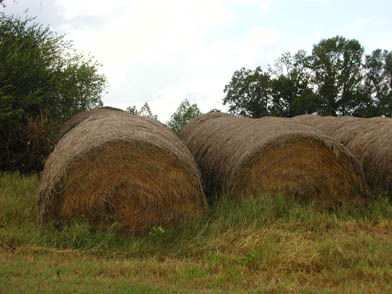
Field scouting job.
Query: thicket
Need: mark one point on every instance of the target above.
(43, 82)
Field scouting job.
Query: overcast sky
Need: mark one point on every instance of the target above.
(162, 52)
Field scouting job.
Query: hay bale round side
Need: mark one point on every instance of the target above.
(80, 117)
(242, 156)
(308, 119)
(369, 139)
(116, 167)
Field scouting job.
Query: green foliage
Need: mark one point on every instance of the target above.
(377, 88)
(249, 93)
(184, 113)
(334, 80)
(291, 88)
(145, 111)
(43, 82)
(336, 65)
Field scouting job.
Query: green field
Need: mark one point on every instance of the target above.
(258, 245)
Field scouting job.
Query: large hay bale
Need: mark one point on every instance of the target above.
(369, 139)
(116, 167)
(241, 156)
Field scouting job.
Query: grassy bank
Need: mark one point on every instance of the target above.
(260, 245)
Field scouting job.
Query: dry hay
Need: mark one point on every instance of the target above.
(116, 167)
(80, 117)
(242, 156)
(369, 139)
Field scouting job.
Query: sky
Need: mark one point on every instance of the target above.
(162, 52)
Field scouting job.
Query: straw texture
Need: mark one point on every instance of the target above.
(242, 156)
(111, 166)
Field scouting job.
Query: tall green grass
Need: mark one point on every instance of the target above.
(19, 226)
(257, 245)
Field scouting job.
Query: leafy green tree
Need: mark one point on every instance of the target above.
(43, 82)
(284, 91)
(336, 64)
(249, 93)
(376, 98)
(184, 113)
(333, 80)
(291, 86)
(145, 110)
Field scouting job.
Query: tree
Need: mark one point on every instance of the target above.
(284, 91)
(336, 65)
(249, 93)
(43, 82)
(291, 85)
(333, 80)
(376, 98)
(145, 111)
(184, 113)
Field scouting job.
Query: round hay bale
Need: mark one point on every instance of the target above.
(116, 167)
(80, 117)
(308, 119)
(369, 139)
(342, 128)
(242, 156)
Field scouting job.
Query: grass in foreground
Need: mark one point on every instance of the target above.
(259, 245)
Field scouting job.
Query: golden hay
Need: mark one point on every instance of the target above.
(80, 117)
(241, 156)
(116, 167)
(369, 139)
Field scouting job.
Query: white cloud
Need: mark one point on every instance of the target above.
(386, 44)
(164, 52)
(265, 5)
(316, 1)
(368, 21)
(74, 8)
(258, 46)
(363, 21)
(243, 2)
(382, 21)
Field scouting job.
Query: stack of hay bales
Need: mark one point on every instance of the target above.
(369, 139)
(109, 166)
(242, 156)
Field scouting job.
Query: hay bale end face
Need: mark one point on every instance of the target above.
(116, 167)
(242, 156)
(369, 139)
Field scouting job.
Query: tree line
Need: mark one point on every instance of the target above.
(335, 79)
